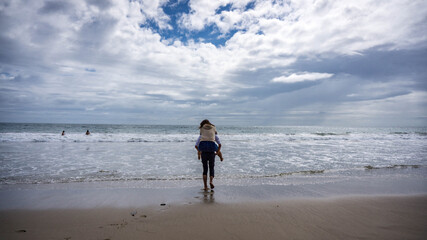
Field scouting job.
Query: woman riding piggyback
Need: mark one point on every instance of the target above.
(208, 140)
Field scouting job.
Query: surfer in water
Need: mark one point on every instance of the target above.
(208, 145)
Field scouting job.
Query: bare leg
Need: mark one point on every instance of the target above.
(220, 155)
(211, 182)
(205, 181)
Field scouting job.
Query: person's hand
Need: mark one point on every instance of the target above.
(198, 155)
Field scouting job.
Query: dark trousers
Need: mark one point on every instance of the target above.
(208, 159)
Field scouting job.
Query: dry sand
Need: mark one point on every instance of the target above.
(393, 217)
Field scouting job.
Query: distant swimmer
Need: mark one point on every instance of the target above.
(63, 133)
(87, 132)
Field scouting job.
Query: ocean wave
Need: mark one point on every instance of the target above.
(397, 166)
(141, 140)
(96, 138)
(331, 134)
(114, 176)
(137, 140)
(105, 178)
(228, 137)
(306, 172)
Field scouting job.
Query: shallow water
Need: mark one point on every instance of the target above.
(37, 153)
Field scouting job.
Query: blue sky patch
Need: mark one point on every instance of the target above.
(175, 10)
(226, 8)
(250, 5)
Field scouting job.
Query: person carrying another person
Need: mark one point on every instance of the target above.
(208, 145)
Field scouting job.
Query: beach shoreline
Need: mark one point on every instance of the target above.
(346, 217)
(122, 194)
(380, 205)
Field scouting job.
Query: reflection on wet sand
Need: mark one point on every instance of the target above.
(207, 196)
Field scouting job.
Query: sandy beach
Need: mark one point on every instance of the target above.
(358, 217)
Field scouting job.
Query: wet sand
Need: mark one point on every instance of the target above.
(357, 217)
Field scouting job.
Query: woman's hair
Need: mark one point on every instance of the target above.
(205, 122)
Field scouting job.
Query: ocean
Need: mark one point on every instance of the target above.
(161, 156)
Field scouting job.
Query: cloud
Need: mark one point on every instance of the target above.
(101, 4)
(184, 59)
(301, 77)
(174, 95)
(51, 7)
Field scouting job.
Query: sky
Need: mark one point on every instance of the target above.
(235, 62)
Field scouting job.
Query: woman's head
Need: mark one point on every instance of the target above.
(205, 122)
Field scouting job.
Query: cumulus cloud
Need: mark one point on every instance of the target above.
(184, 59)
